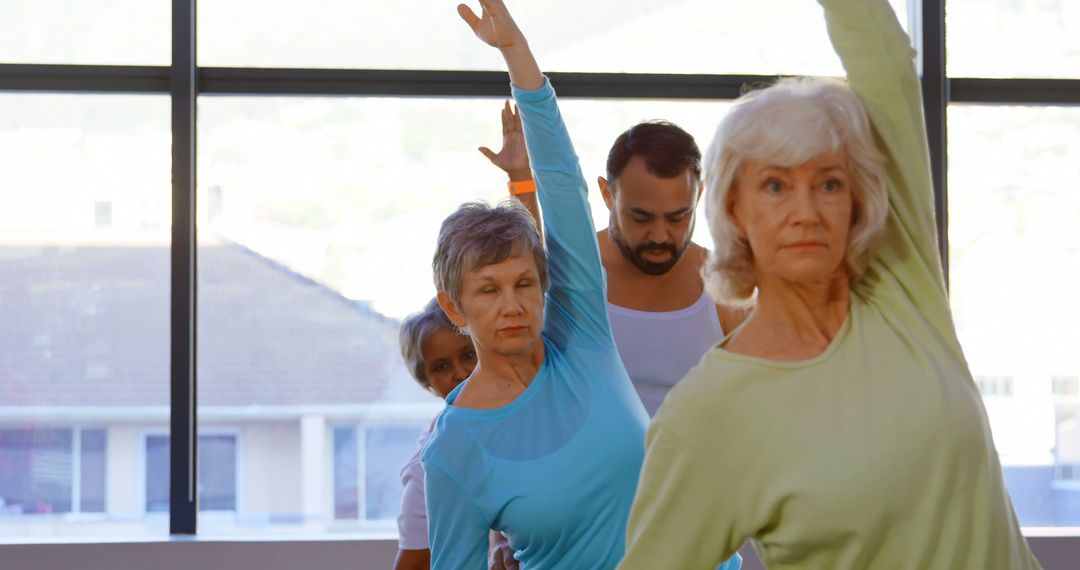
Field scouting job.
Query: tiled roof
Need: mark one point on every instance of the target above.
(89, 326)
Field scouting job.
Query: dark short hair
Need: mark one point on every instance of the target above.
(667, 150)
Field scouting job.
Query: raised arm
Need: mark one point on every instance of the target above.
(513, 159)
(577, 304)
(879, 61)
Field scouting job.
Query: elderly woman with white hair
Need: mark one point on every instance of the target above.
(839, 426)
(544, 441)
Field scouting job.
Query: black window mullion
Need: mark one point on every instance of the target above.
(985, 91)
(935, 98)
(83, 78)
(429, 83)
(183, 452)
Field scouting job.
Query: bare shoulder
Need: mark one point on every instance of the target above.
(698, 253)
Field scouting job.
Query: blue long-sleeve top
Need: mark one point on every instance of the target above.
(556, 469)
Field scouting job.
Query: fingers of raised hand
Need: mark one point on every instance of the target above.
(468, 15)
(507, 119)
(489, 154)
(494, 6)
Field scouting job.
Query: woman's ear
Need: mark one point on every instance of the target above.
(451, 309)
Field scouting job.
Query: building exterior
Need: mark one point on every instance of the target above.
(306, 413)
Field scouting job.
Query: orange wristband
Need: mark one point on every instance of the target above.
(522, 187)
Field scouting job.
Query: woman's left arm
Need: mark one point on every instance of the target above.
(577, 301)
(879, 61)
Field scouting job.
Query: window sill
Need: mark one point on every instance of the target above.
(1056, 548)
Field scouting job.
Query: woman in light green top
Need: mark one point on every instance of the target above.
(839, 426)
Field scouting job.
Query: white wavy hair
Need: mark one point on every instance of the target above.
(788, 124)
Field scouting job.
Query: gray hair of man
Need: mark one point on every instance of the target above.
(414, 330)
(476, 235)
(787, 124)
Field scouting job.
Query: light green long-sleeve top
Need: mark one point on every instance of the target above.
(876, 453)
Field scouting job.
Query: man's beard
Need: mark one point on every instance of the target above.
(636, 255)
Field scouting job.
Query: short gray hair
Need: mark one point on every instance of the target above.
(790, 123)
(414, 330)
(476, 235)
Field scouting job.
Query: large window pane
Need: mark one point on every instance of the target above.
(350, 192)
(128, 32)
(84, 291)
(1010, 38)
(1014, 202)
(318, 219)
(683, 36)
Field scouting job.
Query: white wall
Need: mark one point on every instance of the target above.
(271, 467)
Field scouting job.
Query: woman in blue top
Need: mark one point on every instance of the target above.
(545, 439)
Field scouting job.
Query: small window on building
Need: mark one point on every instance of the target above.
(92, 447)
(35, 471)
(47, 471)
(1066, 386)
(217, 473)
(103, 210)
(346, 474)
(367, 470)
(1000, 386)
(387, 449)
(1067, 472)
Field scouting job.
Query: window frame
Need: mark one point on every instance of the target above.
(184, 80)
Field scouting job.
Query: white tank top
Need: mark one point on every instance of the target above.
(659, 348)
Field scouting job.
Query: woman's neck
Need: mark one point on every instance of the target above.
(793, 321)
(499, 378)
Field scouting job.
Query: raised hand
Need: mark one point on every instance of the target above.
(493, 26)
(512, 158)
